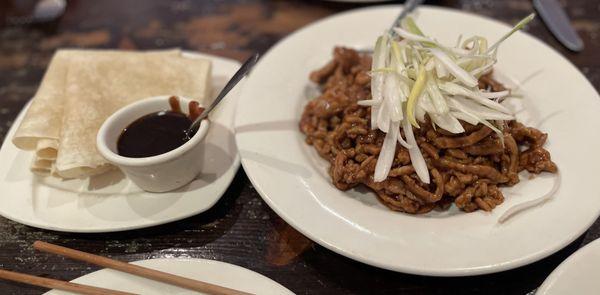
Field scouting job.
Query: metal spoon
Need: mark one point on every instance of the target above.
(312, 90)
(409, 6)
(244, 69)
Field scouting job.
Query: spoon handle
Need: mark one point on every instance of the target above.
(244, 69)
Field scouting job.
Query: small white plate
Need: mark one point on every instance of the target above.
(111, 202)
(293, 179)
(214, 272)
(578, 274)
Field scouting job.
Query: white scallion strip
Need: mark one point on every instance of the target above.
(409, 24)
(403, 142)
(438, 100)
(462, 116)
(455, 89)
(404, 87)
(404, 55)
(470, 60)
(483, 112)
(412, 37)
(430, 65)
(517, 27)
(416, 157)
(383, 119)
(427, 103)
(484, 122)
(397, 61)
(483, 46)
(453, 68)
(368, 102)
(440, 70)
(374, 116)
(388, 151)
(478, 72)
(414, 95)
(377, 78)
(460, 36)
(448, 122)
(392, 96)
(379, 61)
(420, 113)
(512, 211)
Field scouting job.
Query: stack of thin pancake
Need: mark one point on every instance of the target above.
(81, 88)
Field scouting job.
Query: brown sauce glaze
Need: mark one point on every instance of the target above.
(159, 132)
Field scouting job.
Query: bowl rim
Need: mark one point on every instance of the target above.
(113, 157)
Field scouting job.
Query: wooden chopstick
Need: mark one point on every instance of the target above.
(137, 270)
(57, 284)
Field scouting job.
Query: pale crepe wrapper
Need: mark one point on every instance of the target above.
(40, 128)
(46, 148)
(43, 118)
(81, 88)
(45, 156)
(96, 88)
(42, 166)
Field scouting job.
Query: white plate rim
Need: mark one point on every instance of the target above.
(533, 257)
(568, 265)
(161, 263)
(232, 171)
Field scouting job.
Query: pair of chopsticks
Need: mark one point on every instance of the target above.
(148, 273)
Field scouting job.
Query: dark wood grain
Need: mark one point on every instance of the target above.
(240, 229)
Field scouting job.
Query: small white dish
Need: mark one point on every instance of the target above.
(111, 202)
(160, 173)
(293, 179)
(578, 274)
(215, 272)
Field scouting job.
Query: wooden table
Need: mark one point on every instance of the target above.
(240, 229)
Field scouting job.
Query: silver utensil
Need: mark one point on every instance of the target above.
(43, 11)
(409, 6)
(313, 90)
(244, 69)
(558, 22)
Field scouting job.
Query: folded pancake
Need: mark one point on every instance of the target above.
(46, 148)
(40, 128)
(97, 87)
(43, 118)
(42, 166)
(81, 88)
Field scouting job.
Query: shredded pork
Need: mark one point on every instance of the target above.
(467, 169)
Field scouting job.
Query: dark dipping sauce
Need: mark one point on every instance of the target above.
(158, 133)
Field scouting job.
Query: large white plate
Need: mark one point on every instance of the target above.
(576, 275)
(111, 202)
(215, 272)
(293, 180)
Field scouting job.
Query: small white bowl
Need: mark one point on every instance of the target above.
(159, 173)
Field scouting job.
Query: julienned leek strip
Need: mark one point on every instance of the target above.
(57, 284)
(148, 273)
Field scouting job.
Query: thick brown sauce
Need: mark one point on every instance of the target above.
(158, 133)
